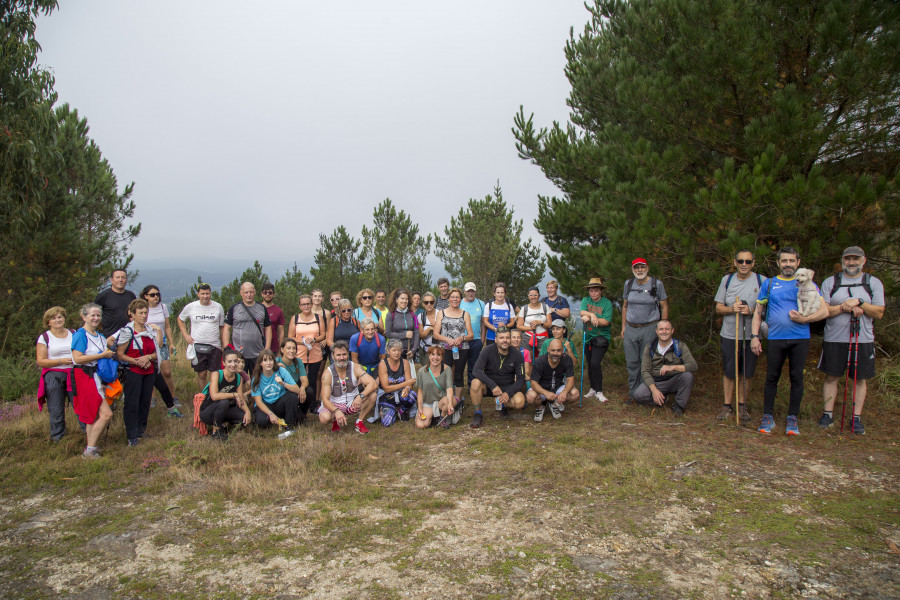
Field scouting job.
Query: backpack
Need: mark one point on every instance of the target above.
(674, 343)
(652, 291)
(866, 284)
(731, 276)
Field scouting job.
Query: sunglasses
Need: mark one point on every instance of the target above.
(153, 295)
(639, 267)
(367, 297)
(427, 301)
(741, 261)
(336, 299)
(346, 310)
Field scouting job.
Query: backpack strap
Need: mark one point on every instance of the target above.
(728, 281)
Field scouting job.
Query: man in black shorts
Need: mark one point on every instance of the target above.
(850, 294)
(552, 381)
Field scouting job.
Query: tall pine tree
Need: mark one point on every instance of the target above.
(340, 264)
(698, 128)
(398, 252)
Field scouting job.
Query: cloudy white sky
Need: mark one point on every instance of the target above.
(249, 128)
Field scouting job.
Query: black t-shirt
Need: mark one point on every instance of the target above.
(225, 387)
(549, 378)
(115, 310)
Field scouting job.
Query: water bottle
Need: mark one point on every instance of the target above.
(497, 404)
(455, 353)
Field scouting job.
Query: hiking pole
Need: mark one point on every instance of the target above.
(737, 326)
(847, 377)
(854, 327)
(583, 342)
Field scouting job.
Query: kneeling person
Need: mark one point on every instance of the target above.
(225, 402)
(500, 371)
(341, 395)
(552, 381)
(667, 367)
(276, 394)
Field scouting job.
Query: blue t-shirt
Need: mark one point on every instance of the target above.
(369, 351)
(269, 389)
(560, 302)
(780, 302)
(498, 314)
(88, 344)
(476, 311)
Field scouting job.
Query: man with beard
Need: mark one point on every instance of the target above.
(552, 381)
(851, 293)
(500, 371)
(346, 390)
(788, 338)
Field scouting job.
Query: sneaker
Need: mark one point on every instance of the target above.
(725, 413)
(555, 409)
(825, 422)
(361, 427)
(335, 427)
(792, 427)
(476, 420)
(539, 413)
(591, 394)
(599, 396)
(562, 407)
(220, 435)
(90, 454)
(504, 411)
(174, 412)
(744, 415)
(134, 441)
(285, 435)
(858, 426)
(677, 411)
(767, 424)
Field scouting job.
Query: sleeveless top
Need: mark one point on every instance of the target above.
(304, 329)
(344, 391)
(394, 376)
(453, 328)
(344, 330)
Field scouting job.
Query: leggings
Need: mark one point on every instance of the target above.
(163, 388)
(138, 391)
(459, 365)
(312, 399)
(778, 351)
(220, 412)
(285, 407)
(594, 352)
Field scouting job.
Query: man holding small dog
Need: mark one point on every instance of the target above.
(788, 338)
(850, 294)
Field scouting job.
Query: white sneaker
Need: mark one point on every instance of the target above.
(601, 397)
(376, 416)
(286, 434)
(591, 394)
(554, 410)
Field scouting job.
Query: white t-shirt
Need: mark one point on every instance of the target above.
(157, 316)
(534, 314)
(58, 348)
(205, 322)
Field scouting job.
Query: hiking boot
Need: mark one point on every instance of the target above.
(285, 435)
(134, 441)
(591, 394)
(858, 426)
(555, 409)
(768, 422)
(174, 413)
(90, 454)
(539, 413)
(361, 427)
(677, 411)
(792, 428)
(825, 422)
(476, 420)
(744, 415)
(600, 397)
(335, 427)
(725, 413)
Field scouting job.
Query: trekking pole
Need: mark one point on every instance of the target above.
(847, 377)
(854, 327)
(583, 342)
(737, 327)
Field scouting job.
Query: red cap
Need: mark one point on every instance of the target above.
(638, 261)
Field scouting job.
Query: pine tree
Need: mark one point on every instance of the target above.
(340, 264)
(398, 252)
(483, 244)
(773, 123)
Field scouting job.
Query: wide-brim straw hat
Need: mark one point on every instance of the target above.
(596, 282)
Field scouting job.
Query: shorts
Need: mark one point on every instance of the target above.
(163, 351)
(833, 360)
(347, 409)
(557, 392)
(746, 357)
(208, 362)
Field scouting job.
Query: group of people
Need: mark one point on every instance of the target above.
(409, 357)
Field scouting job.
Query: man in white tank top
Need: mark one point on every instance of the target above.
(340, 391)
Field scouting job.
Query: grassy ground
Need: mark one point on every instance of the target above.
(610, 501)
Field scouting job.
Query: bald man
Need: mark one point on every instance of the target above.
(552, 381)
(247, 326)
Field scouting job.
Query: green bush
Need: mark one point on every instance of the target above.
(18, 377)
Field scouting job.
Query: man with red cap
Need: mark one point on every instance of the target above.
(645, 303)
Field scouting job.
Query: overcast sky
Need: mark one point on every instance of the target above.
(249, 128)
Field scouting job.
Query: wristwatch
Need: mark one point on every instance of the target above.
(754, 335)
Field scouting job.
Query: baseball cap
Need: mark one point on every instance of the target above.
(853, 251)
(638, 261)
(469, 286)
(558, 323)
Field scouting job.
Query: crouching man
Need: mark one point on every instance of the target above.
(667, 367)
(552, 381)
(341, 395)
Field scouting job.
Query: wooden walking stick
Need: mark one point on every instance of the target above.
(737, 343)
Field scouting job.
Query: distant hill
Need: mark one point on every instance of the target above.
(175, 282)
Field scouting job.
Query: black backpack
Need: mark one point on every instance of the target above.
(652, 291)
(866, 284)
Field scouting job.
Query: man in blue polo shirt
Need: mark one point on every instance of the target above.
(556, 303)
(788, 338)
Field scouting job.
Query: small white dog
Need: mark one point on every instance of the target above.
(808, 299)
